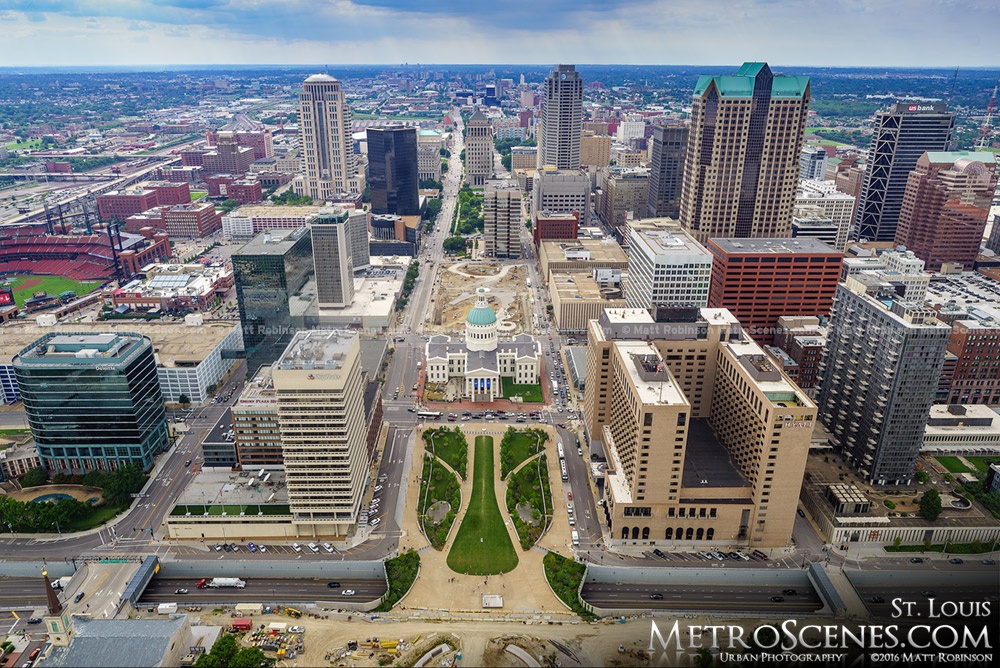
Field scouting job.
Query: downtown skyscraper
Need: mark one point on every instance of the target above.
(329, 167)
(742, 166)
(392, 170)
(901, 135)
(561, 120)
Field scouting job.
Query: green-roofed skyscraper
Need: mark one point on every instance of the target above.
(742, 167)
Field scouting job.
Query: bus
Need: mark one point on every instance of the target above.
(429, 415)
(562, 454)
(562, 465)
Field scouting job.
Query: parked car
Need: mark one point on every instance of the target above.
(218, 548)
(297, 629)
(917, 560)
(801, 514)
(328, 547)
(375, 522)
(658, 552)
(253, 548)
(955, 560)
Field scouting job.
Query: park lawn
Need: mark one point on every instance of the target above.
(482, 546)
(14, 431)
(981, 463)
(531, 394)
(93, 519)
(197, 196)
(953, 465)
(438, 484)
(53, 285)
(31, 143)
(451, 447)
(518, 447)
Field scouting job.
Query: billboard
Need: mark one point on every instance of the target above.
(6, 297)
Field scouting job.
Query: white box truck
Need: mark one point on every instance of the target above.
(216, 583)
(166, 608)
(576, 538)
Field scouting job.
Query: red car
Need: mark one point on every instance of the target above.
(569, 495)
(34, 654)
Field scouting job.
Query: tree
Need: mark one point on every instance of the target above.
(445, 153)
(454, 245)
(184, 400)
(366, 196)
(923, 476)
(122, 484)
(505, 161)
(896, 543)
(228, 205)
(34, 478)
(431, 184)
(930, 505)
(432, 209)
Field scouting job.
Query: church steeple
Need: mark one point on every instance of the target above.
(55, 607)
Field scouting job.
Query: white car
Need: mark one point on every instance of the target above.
(375, 522)
(378, 488)
(347, 592)
(328, 547)
(262, 549)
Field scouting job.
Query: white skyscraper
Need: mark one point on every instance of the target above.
(666, 266)
(561, 119)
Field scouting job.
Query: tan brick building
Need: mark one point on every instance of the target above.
(595, 150)
(706, 441)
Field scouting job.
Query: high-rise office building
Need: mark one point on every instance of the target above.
(667, 266)
(975, 343)
(901, 135)
(837, 206)
(812, 164)
(360, 241)
(270, 270)
(331, 250)
(706, 440)
(595, 150)
(392, 170)
(624, 193)
(478, 150)
(742, 165)
(329, 167)
(993, 243)
(93, 401)
(561, 119)
(945, 207)
(760, 280)
(319, 391)
(502, 219)
(879, 376)
(666, 175)
(561, 191)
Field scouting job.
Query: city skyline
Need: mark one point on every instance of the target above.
(627, 32)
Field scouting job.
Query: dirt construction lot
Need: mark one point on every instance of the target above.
(455, 294)
(480, 643)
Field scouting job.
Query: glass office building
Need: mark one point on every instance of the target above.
(392, 170)
(93, 401)
(270, 270)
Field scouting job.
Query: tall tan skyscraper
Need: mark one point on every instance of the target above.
(561, 119)
(321, 416)
(478, 150)
(742, 166)
(329, 166)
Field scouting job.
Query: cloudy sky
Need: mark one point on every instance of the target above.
(790, 32)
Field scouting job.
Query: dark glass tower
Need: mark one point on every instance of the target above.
(93, 401)
(269, 271)
(392, 170)
(667, 174)
(901, 135)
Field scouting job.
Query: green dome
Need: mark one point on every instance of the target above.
(480, 315)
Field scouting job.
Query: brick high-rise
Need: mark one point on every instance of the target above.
(760, 280)
(945, 207)
(742, 165)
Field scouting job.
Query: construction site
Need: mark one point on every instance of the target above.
(455, 293)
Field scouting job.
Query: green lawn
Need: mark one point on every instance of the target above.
(517, 446)
(14, 431)
(99, 514)
(531, 394)
(31, 143)
(450, 445)
(983, 463)
(438, 484)
(197, 196)
(953, 465)
(482, 546)
(53, 285)
(527, 486)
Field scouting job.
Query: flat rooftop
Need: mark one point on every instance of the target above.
(652, 386)
(257, 211)
(754, 246)
(575, 285)
(966, 291)
(707, 462)
(600, 250)
(276, 242)
(218, 487)
(174, 344)
(258, 391)
(669, 242)
(317, 349)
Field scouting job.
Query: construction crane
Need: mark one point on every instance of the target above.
(989, 117)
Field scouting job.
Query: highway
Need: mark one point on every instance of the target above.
(699, 596)
(21, 592)
(263, 590)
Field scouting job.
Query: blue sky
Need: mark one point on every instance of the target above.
(793, 32)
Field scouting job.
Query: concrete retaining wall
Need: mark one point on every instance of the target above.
(715, 576)
(56, 569)
(277, 569)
